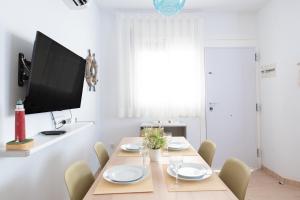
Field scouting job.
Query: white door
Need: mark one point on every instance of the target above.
(231, 104)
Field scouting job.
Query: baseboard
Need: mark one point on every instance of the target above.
(281, 179)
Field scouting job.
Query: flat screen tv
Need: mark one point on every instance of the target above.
(57, 77)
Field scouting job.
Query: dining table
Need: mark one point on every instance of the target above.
(158, 186)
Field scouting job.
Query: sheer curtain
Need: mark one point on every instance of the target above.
(161, 66)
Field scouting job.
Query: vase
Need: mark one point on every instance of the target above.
(154, 155)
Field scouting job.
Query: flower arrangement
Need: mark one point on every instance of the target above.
(154, 138)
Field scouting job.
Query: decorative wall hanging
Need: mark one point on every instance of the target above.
(91, 69)
(168, 7)
(268, 71)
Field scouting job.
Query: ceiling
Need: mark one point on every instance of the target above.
(205, 5)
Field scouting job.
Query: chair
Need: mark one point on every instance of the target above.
(235, 174)
(207, 151)
(79, 179)
(102, 154)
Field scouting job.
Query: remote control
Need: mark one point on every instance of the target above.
(53, 132)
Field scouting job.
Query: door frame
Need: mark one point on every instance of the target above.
(203, 133)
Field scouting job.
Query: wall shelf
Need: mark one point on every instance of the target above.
(43, 141)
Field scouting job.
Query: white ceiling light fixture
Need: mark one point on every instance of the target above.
(168, 7)
(77, 4)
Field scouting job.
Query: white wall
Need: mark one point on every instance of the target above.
(40, 176)
(279, 40)
(230, 29)
(221, 30)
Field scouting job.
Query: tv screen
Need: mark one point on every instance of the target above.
(57, 76)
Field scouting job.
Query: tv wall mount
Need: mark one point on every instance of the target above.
(24, 70)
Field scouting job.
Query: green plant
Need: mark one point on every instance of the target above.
(154, 139)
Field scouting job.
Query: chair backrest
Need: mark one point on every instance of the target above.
(79, 179)
(235, 174)
(102, 154)
(207, 151)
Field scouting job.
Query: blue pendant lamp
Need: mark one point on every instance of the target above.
(168, 7)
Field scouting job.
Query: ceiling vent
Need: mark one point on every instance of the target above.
(76, 4)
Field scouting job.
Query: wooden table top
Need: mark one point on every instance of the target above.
(160, 187)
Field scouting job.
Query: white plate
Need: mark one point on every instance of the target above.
(125, 174)
(131, 147)
(183, 174)
(192, 172)
(177, 146)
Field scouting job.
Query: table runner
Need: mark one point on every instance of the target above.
(105, 187)
(187, 152)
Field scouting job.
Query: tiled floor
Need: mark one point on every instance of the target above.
(265, 187)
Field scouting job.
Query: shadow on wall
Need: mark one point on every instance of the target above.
(10, 47)
(13, 45)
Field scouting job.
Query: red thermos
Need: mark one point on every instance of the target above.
(20, 122)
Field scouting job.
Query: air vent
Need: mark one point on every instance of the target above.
(80, 2)
(76, 4)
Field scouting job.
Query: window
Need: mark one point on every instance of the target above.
(161, 68)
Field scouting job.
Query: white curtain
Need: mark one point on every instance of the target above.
(161, 65)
